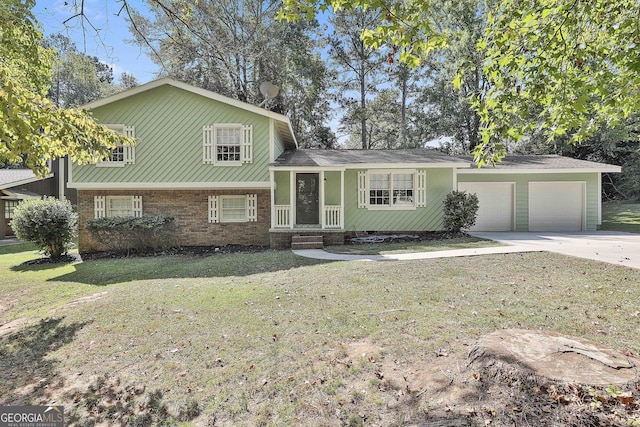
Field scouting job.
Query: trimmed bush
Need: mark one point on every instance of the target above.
(460, 211)
(142, 234)
(48, 222)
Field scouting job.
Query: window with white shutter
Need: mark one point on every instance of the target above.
(233, 208)
(110, 206)
(121, 155)
(227, 144)
(391, 189)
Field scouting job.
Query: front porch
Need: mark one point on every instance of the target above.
(304, 200)
(307, 202)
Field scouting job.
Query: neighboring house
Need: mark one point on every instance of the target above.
(231, 173)
(21, 184)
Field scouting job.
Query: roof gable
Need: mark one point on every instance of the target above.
(282, 122)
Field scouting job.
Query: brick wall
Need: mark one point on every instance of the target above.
(190, 209)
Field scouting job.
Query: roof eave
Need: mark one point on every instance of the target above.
(189, 88)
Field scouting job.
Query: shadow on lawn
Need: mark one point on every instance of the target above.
(105, 272)
(27, 375)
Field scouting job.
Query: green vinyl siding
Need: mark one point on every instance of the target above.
(522, 181)
(168, 123)
(439, 182)
(283, 187)
(332, 188)
(278, 144)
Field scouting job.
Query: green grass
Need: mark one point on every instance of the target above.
(274, 339)
(621, 217)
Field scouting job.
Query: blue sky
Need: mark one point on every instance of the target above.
(108, 43)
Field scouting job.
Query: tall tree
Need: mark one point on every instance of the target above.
(32, 129)
(358, 67)
(77, 78)
(233, 46)
(564, 66)
(449, 113)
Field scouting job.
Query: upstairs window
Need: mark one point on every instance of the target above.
(227, 144)
(121, 155)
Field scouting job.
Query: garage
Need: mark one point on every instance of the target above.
(557, 206)
(495, 204)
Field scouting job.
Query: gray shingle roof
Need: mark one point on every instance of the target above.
(424, 156)
(543, 162)
(328, 158)
(9, 177)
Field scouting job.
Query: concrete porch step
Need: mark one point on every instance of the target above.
(306, 242)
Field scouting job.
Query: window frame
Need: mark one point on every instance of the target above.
(127, 153)
(391, 190)
(102, 206)
(216, 146)
(243, 150)
(10, 207)
(216, 210)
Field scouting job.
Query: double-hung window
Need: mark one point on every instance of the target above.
(121, 155)
(391, 189)
(227, 144)
(110, 206)
(233, 208)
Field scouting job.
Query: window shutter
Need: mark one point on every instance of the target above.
(362, 189)
(208, 144)
(130, 150)
(214, 209)
(421, 189)
(99, 207)
(247, 144)
(252, 207)
(137, 206)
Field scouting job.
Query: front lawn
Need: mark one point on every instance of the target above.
(275, 339)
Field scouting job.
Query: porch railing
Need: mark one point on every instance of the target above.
(283, 216)
(332, 216)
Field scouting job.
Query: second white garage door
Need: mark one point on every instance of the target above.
(556, 206)
(495, 204)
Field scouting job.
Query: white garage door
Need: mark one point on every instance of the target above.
(495, 204)
(556, 206)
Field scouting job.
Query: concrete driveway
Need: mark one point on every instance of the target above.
(607, 246)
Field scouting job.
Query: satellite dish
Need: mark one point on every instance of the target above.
(269, 91)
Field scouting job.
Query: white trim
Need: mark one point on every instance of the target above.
(272, 140)
(307, 169)
(61, 178)
(292, 197)
(599, 199)
(321, 184)
(261, 185)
